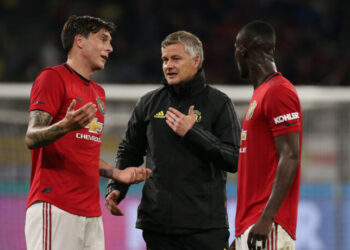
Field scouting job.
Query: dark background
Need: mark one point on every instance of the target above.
(312, 37)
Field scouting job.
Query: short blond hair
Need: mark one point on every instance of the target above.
(191, 43)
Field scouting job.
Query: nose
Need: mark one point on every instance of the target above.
(169, 64)
(110, 48)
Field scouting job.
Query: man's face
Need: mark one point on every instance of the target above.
(178, 66)
(240, 57)
(96, 49)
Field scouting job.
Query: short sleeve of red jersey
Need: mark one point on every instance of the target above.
(47, 92)
(282, 109)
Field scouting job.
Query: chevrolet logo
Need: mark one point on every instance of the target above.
(94, 126)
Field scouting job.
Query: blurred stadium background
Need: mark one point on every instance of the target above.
(312, 51)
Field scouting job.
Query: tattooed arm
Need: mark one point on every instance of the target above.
(129, 175)
(106, 170)
(40, 133)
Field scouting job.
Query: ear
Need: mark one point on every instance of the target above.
(243, 51)
(197, 60)
(79, 40)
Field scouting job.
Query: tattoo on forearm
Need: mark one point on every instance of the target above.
(108, 173)
(39, 132)
(40, 118)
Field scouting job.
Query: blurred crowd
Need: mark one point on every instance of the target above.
(312, 37)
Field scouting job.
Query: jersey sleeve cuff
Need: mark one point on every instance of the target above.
(285, 131)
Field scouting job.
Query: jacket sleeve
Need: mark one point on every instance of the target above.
(131, 150)
(221, 146)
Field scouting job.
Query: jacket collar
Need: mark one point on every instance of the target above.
(189, 88)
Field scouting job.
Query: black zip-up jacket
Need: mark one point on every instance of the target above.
(187, 187)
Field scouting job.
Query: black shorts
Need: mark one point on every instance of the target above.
(214, 239)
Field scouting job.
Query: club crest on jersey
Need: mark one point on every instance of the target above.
(101, 105)
(251, 110)
(244, 135)
(198, 115)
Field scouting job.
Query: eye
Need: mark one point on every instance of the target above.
(104, 38)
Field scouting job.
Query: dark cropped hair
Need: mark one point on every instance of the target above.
(83, 25)
(260, 34)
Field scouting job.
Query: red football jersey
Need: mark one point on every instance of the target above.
(66, 172)
(274, 110)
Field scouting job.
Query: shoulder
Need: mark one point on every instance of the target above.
(153, 94)
(49, 71)
(145, 102)
(48, 76)
(280, 92)
(98, 87)
(54, 72)
(59, 69)
(280, 86)
(217, 95)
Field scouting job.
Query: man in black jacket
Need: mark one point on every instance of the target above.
(190, 135)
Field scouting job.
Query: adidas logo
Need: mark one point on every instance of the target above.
(160, 114)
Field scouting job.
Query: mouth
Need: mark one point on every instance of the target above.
(104, 58)
(171, 74)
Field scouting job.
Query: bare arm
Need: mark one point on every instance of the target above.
(40, 133)
(106, 170)
(129, 175)
(287, 147)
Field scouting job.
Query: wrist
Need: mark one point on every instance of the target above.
(63, 125)
(267, 217)
(115, 174)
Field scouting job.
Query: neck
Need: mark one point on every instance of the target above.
(257, 73)
(80, 66)
(176, 88)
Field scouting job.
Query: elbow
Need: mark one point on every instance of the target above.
(294, 160)
(232, 169)
(235, 160)
(29, 142)
(229, 167)
(295, 157)
(231, 163)
(234, 165)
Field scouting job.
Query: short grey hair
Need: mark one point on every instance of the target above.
(191, 43)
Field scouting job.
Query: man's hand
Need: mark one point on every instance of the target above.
(131, 175)
(78, 119)
(259, 232)
(233, 245)
(112, 204)
(179, 122)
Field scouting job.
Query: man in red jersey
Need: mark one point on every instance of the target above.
(269, 161)
(64, 134)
